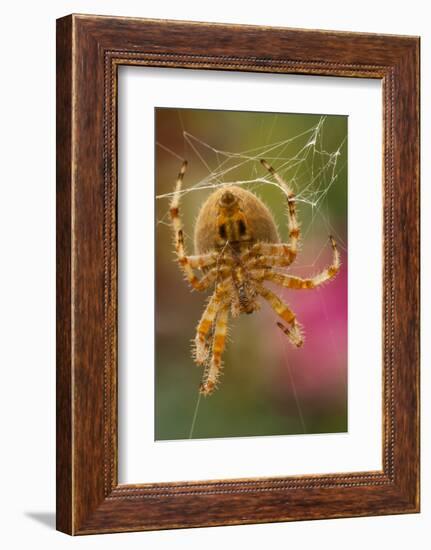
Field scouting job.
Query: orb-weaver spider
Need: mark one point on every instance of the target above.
(237, 247)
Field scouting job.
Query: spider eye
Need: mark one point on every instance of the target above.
(241, 227)
(222, 231)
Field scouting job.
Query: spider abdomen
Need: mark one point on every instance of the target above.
(235, 216)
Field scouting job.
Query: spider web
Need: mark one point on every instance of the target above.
(301, 160)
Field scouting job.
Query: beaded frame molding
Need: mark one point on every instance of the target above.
(89, 51)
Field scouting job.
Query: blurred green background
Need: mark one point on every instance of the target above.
(268, 387)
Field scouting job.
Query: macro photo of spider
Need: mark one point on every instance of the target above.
(237, 248)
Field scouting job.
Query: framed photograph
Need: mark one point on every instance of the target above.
(237, 274)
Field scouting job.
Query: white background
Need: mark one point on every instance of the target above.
(143, 460)
(27, 125)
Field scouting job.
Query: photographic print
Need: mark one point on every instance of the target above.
(229, 168)
(251, 274)
(212, 368)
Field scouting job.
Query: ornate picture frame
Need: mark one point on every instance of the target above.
(89, 51)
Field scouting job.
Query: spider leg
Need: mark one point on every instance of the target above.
(283, 252)
(292, 222)
(214, 274)
(211, 376)
(208, 260)
(206, 322)
(265, 261)
(186, 263)
(299, 283)
(293, 331)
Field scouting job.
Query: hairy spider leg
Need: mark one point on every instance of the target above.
(293, 332)
(299, 283)
(292, 221)
(211, 376)
(268, 255)
(285, 251)
(188, 263)
(217, 299)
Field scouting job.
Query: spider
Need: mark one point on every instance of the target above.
(237, 248)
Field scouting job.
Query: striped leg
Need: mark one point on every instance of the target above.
(268, 256)
(205, 324)
(211, 376)
(213, 275)
(208, 260)
(299, 283)
(292, 222)
(186, 263)
(293, 331)
(283, 252)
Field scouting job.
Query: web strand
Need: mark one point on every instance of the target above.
(300, 159)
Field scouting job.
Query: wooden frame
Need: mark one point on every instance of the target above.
(89, 51)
